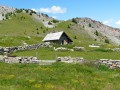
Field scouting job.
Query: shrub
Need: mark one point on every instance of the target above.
(49, 23)
(30, 13)
(68, 26)
(96, 33)
(55, 21)
(75, 37)
(90, 25)
(83, 26)
(19, 10)
(43, 31)
(107, 41)
(3, 14)
(74, 20)
(6, 16)
(37, 32)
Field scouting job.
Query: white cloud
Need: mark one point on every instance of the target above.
(108, 22)
(118, 22)
(112, 22)
(55, 17)
(34, 9)
(53, 9)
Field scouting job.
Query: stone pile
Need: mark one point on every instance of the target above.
(76, 48)
(70, 59)
(112, 64)
(8, 50)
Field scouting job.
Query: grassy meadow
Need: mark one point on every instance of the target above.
(50, 54)
(58, 76)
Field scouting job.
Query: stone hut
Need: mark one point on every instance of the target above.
(58, 38)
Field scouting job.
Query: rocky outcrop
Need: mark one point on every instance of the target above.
(5, 9)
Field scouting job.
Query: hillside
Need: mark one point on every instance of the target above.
(28, 23)
(92, 26)
(21, 27)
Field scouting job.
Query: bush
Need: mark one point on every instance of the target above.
(37, 32)
(19, 10)
(3, 14)
(55, 21)
(30, 13)
(96, 33)
(44, 31)
(6, 16)
(90, 25)
(49, 23)
(74, 20)
(107, 41)
(68, 26)
(75, 37)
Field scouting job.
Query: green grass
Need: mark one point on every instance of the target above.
(50, 54)
(58, 76)
(19, 40)
(16, 30)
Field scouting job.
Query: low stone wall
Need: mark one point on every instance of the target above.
(76, 48)
(7, 59)
(112, 64)
(70, 59)
(7, 50)
(24, 60)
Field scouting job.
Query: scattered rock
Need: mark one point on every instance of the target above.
(76, 48)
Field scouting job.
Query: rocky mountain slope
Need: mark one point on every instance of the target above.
(40, 17)
(4, 10)
(92, 26)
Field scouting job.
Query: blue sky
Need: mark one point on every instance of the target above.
(106, 11)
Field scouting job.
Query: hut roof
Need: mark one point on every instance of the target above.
(53, 36)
